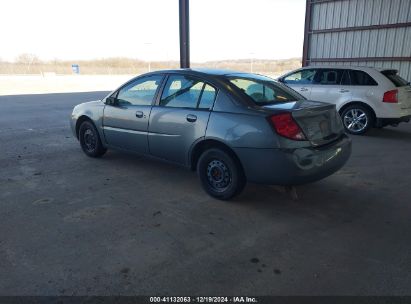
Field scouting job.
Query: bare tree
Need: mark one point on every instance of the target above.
(28, 60)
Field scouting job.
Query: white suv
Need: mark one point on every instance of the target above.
(365, 97)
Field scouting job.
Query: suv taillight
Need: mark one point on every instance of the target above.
(391, 96)
(285, 125)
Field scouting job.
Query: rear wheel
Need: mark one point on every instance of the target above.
(357, 119)
(90, 140)
(220, 174)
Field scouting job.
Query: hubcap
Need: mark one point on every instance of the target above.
(90, 140)
(218, 175)
(355, 120)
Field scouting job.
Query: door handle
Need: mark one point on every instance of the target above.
(139, 114)
(344, 91)
(191, 118)
(303, 89)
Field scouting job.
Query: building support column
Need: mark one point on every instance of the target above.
(184, 34)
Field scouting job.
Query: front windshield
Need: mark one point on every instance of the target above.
(264, 92)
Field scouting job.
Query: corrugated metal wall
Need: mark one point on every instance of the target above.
(359, 32)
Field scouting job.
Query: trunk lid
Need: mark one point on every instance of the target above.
(319, 121)
(404, 97)
(403, 87)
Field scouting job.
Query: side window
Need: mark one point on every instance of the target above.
(361, 78)
(300, 77)
(328, 77)
(345, 80)
(139, 92)
(186, 92)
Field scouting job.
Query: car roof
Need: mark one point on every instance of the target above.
(203, 71)
(345, 67)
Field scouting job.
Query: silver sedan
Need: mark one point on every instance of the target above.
(230, 127)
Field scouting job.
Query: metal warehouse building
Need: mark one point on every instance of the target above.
(359, 32)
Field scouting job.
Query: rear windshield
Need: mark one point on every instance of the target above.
(264, 91)
(396, 79)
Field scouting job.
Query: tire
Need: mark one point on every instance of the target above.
(220, 174)
(90, 141)
(357, 119)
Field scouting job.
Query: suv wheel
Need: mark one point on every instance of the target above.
(220, 174)
(357, 119)
(90, 140)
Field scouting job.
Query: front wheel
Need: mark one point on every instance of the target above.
(357, 119)
(220, 174)
(90, 140)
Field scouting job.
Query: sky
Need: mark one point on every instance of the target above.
(149, 29)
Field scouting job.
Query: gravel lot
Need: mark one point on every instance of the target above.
(123, 224)
(37, 84)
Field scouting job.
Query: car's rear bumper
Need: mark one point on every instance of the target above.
(381, 122)
(294, 166)
(391, 110)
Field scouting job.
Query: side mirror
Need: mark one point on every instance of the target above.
(111, 101)
(281, 79)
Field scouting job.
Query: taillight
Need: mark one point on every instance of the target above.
(286, 126)
(391, 96)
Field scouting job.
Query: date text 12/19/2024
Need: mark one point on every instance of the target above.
(240, 299)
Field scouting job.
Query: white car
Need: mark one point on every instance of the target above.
(365, 97)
